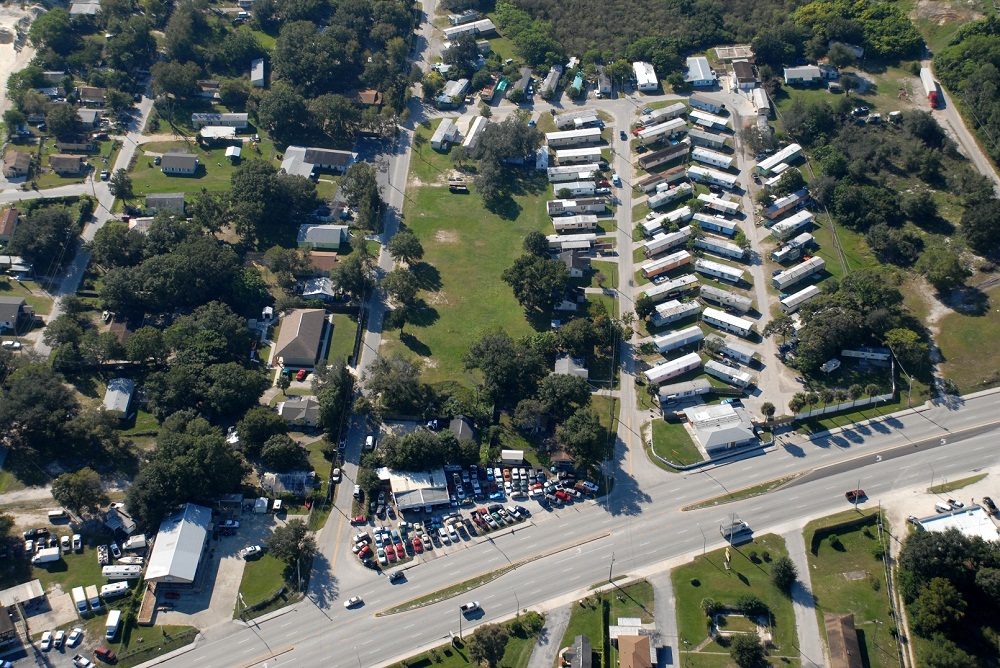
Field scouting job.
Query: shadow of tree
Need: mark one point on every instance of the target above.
(427, 275)
(414, 344)
(323, 584)
(423, 315)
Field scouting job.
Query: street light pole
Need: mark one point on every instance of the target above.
(460, 623)
(611, 566)
(704, 540)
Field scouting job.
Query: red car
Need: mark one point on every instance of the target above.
(562, 496)
(390, 554)
(365, 552)
(400, 551)
(301, 375)
(172, 595)
(855, 495)
(359, 519)
(418, 547)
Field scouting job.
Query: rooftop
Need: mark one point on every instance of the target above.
(179, 543)
(414, 490)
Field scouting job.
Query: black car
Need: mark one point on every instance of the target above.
(622, 134)
(988, 502)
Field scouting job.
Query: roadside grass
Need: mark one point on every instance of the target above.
(516, 654)
(847, 578)
(262, 578)
(427, 164)
(448, 592)
(921, 393)
(971, 360)
(946, 487)
(743, 494)
(151, 641)
(610, 271)
(466, 249)
(672, 442)
(32, 293)
(214, 170)
(345, 329)
(587, 618)
(608, 410)
(706, 577)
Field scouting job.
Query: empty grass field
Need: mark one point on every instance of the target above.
(672, 442)
(971, 360)
(345, 328)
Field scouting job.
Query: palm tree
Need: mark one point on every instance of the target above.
(812, 399)
(871, 389)
(854, 392)
(797, 402)
(826, 396)
(767, 409)
(840, 395)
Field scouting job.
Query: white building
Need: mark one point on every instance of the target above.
(699, 73)
(118, 396)
(725, 298)
(665, 114)
(445, 135)
(719, 204)
(798, 222)
(733, 349)
(672, 311)
(705, 103)
(700, 137)
(669, 194)
(760, 102)
(571, 241)
(571, 172)
(655, 226)
(716, 224)
(728, 323)
(560, 207)
(673, 368)
(728, 374)
(481, 27)
(713, 158)
(720, 247)
(804, 75)
(783, 205)
(574, 120)
(475, 132)
(662, 130)
(238, 121)
(645, 76)
(576, 188)
(417, 491)
(577, 156)
(785, 155)
(257, 73)
(674, 340)
(587, 221)
(718, 270)
(712, 176)
(798, 273)
(569, 138)
(791, 303)
(721, 427)
(179, 546)
(710, 121)
(671, 288)
(662, 243)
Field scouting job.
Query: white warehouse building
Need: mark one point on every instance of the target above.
(645, 76)
(713, 158)
(727, 323)
(683, 337)
(718, 270)
(712, 176)
(799, 272)
(791, 303)
(673, 368)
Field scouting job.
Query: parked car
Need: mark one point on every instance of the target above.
(106, 655)
(80, 661)
(359, 519)
(622, 135)
(990, 506)
(46, 643)
(251, 551)
(116, 551)
(230, 524)
(301, 375)
(955, 504)
(74, 636)
(59, 639)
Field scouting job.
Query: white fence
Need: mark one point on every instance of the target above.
(857, 403)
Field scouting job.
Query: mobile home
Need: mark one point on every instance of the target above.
(791, 303)
(664, 114)
(572, 172)
(569, 138)
(559, 207)
(683, 337)
(648, 161)
(563, 242)
(719, 204)
(587, 221)
(785, 204)
(578, 156)
(577, 188)
(720, 247)
(726, 298)
(718, 270)
(716, 224)
(574, 120)
(733, 349)
(665, 264)
(651, 182)
(662, 130)
(798, 273)
(662, 243)
(673, 368)
(728, 374)
(785, 155)
(475, 132)
(714, 158)
(446, 134)
(710, 121)
(701, 137)
(699, 101)
(728, 323)
(712, 176)
(655, 226)
(797, 222)
(481, 27)
(672, 311)
(672, 288)
(645, 76)
(671, 194)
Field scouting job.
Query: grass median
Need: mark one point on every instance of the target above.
(946, 487)
(449, 592)
(742, 494)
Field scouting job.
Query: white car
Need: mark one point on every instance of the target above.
(115, 550)
(46, 641)
(59, 639)
(443, 535)
(74, 636)
(77, 542)
(13, 345)
(230, 524)
(64, 542)
(353, 601)
(251, 551)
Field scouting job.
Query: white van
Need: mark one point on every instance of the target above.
(111, 626)
(370, 443)
(55, 515)
(942, 507)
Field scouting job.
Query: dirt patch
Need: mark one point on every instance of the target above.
(15, 54)
(941, 13)
(429, 362)
(855, 575)
(437, 299)
(447, 237)
(480, 244)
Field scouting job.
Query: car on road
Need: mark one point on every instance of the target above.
(622, 135)
(617, 180)
(854, 495)
(353, 601)
(990, 506)
(471, 606)
(46, 644)
(251, 551)
(230, 524)
(74, 636)
(395, 575)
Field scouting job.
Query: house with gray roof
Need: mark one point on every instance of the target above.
(118, 396)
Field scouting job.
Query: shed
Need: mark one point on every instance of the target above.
(179, 545)
(743, 75)
(512, 457)
(118, 396)
(845, 650)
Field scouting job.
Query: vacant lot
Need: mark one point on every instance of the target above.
(971, 359)
(345, 328)
(672, 442)
(848, 578)
(214, 170)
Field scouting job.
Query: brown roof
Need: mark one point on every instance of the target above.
(743, 71)
(91, 93)
(8, 222)
(59, 161)
(17, 160)
(634, 652)
(322, 260)
(300, 336)
(845, 651)
(370, 97)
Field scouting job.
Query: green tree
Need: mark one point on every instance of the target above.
(939, 607)
(146, 344)
(282, 112)
(536, 243)
(488, 644)
(583, 437)
(63, 121)
(781, 324)
(33, 405)
(406, 247)
(577, 337)
(120, 186)
(943, 653)
(909, 347)
(981, 226)
(767, 409)
(943, 268)
(401, 285)
(79, 490)
(52, 30)
(783, 574)
(257, 426)
(746, 650)
(537, 282)
(644, 306)
(353, 275)
(511, 369)
(175, 79)
(280, 453)
(395, 381)
(292, 543)
(562, 395)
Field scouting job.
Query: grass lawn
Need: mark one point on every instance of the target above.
(146, 642)
(608, 410)
(261, 579)
(73, 570)
(921, 393)
(34, 295)
(214, 170)
(466, 249)
(610, 271)
(847, 578)
(516, 654)
(588, 619)
(143, 424)
(345, 328)
(706, 577)
(427, 164)
(672, 442)
(745, 493)
(944, 488)
(966, 342)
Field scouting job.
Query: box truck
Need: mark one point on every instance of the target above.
(93, 597)
(47, 555)
(114, 621)
(930, 87)
(80, 599)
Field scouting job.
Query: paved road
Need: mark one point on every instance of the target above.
(574, 546)
(810, 638)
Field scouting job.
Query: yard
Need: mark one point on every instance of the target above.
(345, 328)
(426, 164)
(634, 600)
(672, 441)
(34, 295)
(262, 578)
(848, 578)
(103, 158)
(214, 170)
(706, 577)
(516, 654)
(466, 249)
(971, 360)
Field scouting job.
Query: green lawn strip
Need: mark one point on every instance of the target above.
(849, 579)
(262, 579)
(147, 642)
(345, 329)
(815, 425)
(672, 442)
(466, 248)
(946, 487)
(610, 271)
(427, 164)
(743, 494)
(587, 618)
(608, 409)
(516, 654)
(706, 577)
(966, 340)
(449, 592)
(144, 423)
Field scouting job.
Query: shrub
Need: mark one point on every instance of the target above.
(709, 606)
(875, 583)
(751, 606)
(766, 556)
(753, 556)
(783, 574)
(834, 541)
(878, 552)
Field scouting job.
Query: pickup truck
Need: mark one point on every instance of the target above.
(471, 606)
(80, 661)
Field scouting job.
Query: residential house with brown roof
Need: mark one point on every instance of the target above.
(90, 95)
(8, 223)
(370, 98)
(16, 164)
(300, 338)
(845, 650)
(66, 165)
(635, 652)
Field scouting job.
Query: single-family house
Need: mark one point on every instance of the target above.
(603, 81)
(521, 84)
(452, 95)
(13, 310)
(90, 95)
(89, 117)
(257, 79)
(845, 648)
(743, 75)
(16, 164)
(300, 338)
(173, 202)
(699, 72)
(580, 655)
(322, 237)
(84, 8)
(551, 82)
(181, 163)
(299, 411)
(802, 76)
(445, 135)
(567, 366)
(8, 223)
(118, 396)
(78, 144)
(238, 121)
(577, 264)
(636, 651)
(691, 388)
(720, 427)
(320, 287)
(66, 165)
(645, 76)
(304, 161)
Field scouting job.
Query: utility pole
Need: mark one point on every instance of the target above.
(611, 566)
(857, 493)
(460, 623)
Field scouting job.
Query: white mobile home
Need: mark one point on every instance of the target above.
(576, 188)
(570, 138)
(713, 158)
(797, 222)
(733, 349)
(699, 101)
(710, 121)
(728, 323)
(481, 27)
(701, 137)
(785, 155)
(663, 197)
(760, 102)
(728, 374)
(786, 253)
(712, 176)
(475, 132)
(716, 224)
(665, 114)
(719, 204)
(661, 243)
(572, 172)
(791, 303)
(645, 76)
(672, 288)
(120, 572)
(718, 270)
(806, 74)
(673, 368)
(578, 156)
(571, 241)
(699, 72)
(587, 221)
(672, 311)
(683, 337)
(665, 264)
(446, 134)
(574, 120)
(798, 273)
(785, 204)
(720, 247)
(561, 207)
(653, 227)
(648, 161)
(725, 298)
(874, 354)
(662, 130)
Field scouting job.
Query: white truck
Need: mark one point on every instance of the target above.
(471, 606)
(93, 597)
(80, 599)
(47, 555)
(736, 527)
(111, 626)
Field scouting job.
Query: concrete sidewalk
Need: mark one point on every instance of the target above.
(547, 648)
(665, 614)
(811, 645)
